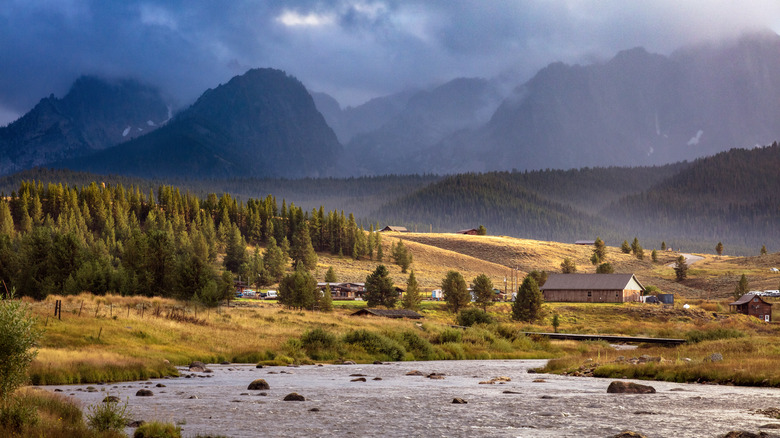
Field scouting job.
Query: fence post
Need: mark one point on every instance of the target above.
(81, 307)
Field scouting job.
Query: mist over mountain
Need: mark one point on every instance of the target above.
(94, 115)
(262, 123)
(636, 109)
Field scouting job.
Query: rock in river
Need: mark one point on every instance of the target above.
(144, 393)
(294, 396)
(459, 401)
(618, 387)
(259, 384)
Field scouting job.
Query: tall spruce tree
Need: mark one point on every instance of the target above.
(455, 291)
(412, 297)
(528, 303)
(379, 288)
(742, 288)
(302, 251)
(483, 291)
(681, 268)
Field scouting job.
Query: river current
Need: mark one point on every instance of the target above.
(416, 406)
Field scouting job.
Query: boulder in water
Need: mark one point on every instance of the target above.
(144, 393)
(259, 384)
(619, 387)
(294, 396)
(629, 434)
(459, 401)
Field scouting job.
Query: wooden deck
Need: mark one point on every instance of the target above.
(609, 338)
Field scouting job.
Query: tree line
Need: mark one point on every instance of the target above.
(55, 238)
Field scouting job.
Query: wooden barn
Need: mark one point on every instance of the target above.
(753, 305)
(388, 313)
(592, 288)
(344, 291)
(395, 229)
(470, 232)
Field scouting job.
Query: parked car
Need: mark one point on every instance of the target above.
(270, 295)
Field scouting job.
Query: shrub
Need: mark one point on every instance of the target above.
(320, 344)
(16, 415)
(156, 429)
(696, 336)
(469, 317)
(376, 344)
(18, 336)
(450, 335)
(105, 416)
(419, 346)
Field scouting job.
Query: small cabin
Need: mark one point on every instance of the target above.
(394, 229)
(470, 232)
(388, 313)
(585, 242)
(753, 305)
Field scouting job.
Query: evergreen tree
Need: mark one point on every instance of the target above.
(742, 287)
(455, 291)
(325, 299)
(330, 276)
(297, 290)
(539, 276)
(599, 249)
(654, 256)
(763, 249)
(635, 245)
(626, 248)
(483, 291)
(412, 297)
(719, 248)
(285, 247)
(640, 252)
(568, 266)
(274, 261)
(594, 259)
(302, 251)
(481, 230)
(380, 255)
(6, 220)
(235, 250)
(663, 246)
(402, 256)
(605, 268)
(379, 288)
(681, 268)
(528, 304)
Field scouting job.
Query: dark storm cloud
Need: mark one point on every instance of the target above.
(353, 49)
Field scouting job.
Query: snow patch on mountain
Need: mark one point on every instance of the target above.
(695, 139)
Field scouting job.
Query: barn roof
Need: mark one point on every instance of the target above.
(744, 299)
(389, 313)
(395, 228)
(585, 242)
(589, 282)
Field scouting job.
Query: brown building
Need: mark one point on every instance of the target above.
(395, 229)
(592, 288)
(753, 305)
(470, 231)
(388, 313)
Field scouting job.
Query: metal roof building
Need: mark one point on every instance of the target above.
(592, 288)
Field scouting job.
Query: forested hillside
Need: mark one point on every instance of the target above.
(55, 238)
(733, 197)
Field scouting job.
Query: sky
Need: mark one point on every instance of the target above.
(352, 49)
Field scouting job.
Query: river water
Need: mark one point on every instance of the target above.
(417, 406)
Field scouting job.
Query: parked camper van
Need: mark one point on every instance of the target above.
(270, 295)
(437, 294)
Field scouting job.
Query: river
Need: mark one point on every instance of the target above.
(416, 406)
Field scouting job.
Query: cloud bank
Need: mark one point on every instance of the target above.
(352, 49)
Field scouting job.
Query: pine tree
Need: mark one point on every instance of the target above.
(325, 299)
(235, 250)
(635, 245)
(412, 297)
(742, 287)
(528, 304)
(402, 256)
(599, 250)
(681, 269)
(302, 251)
(380, 254)
(719, 248)
(483, 291)
(297, 290)
(456, 294)
(663, 246)
(568, 266)
(654, 256)
(605, 268)
(379, 288)
(763, 249)
(626, 248)
(273, 259)
(330, 276)
(6, 220)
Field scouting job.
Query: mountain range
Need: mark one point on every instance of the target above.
(635, 109)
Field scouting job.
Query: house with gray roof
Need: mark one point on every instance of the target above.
(592, 288)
